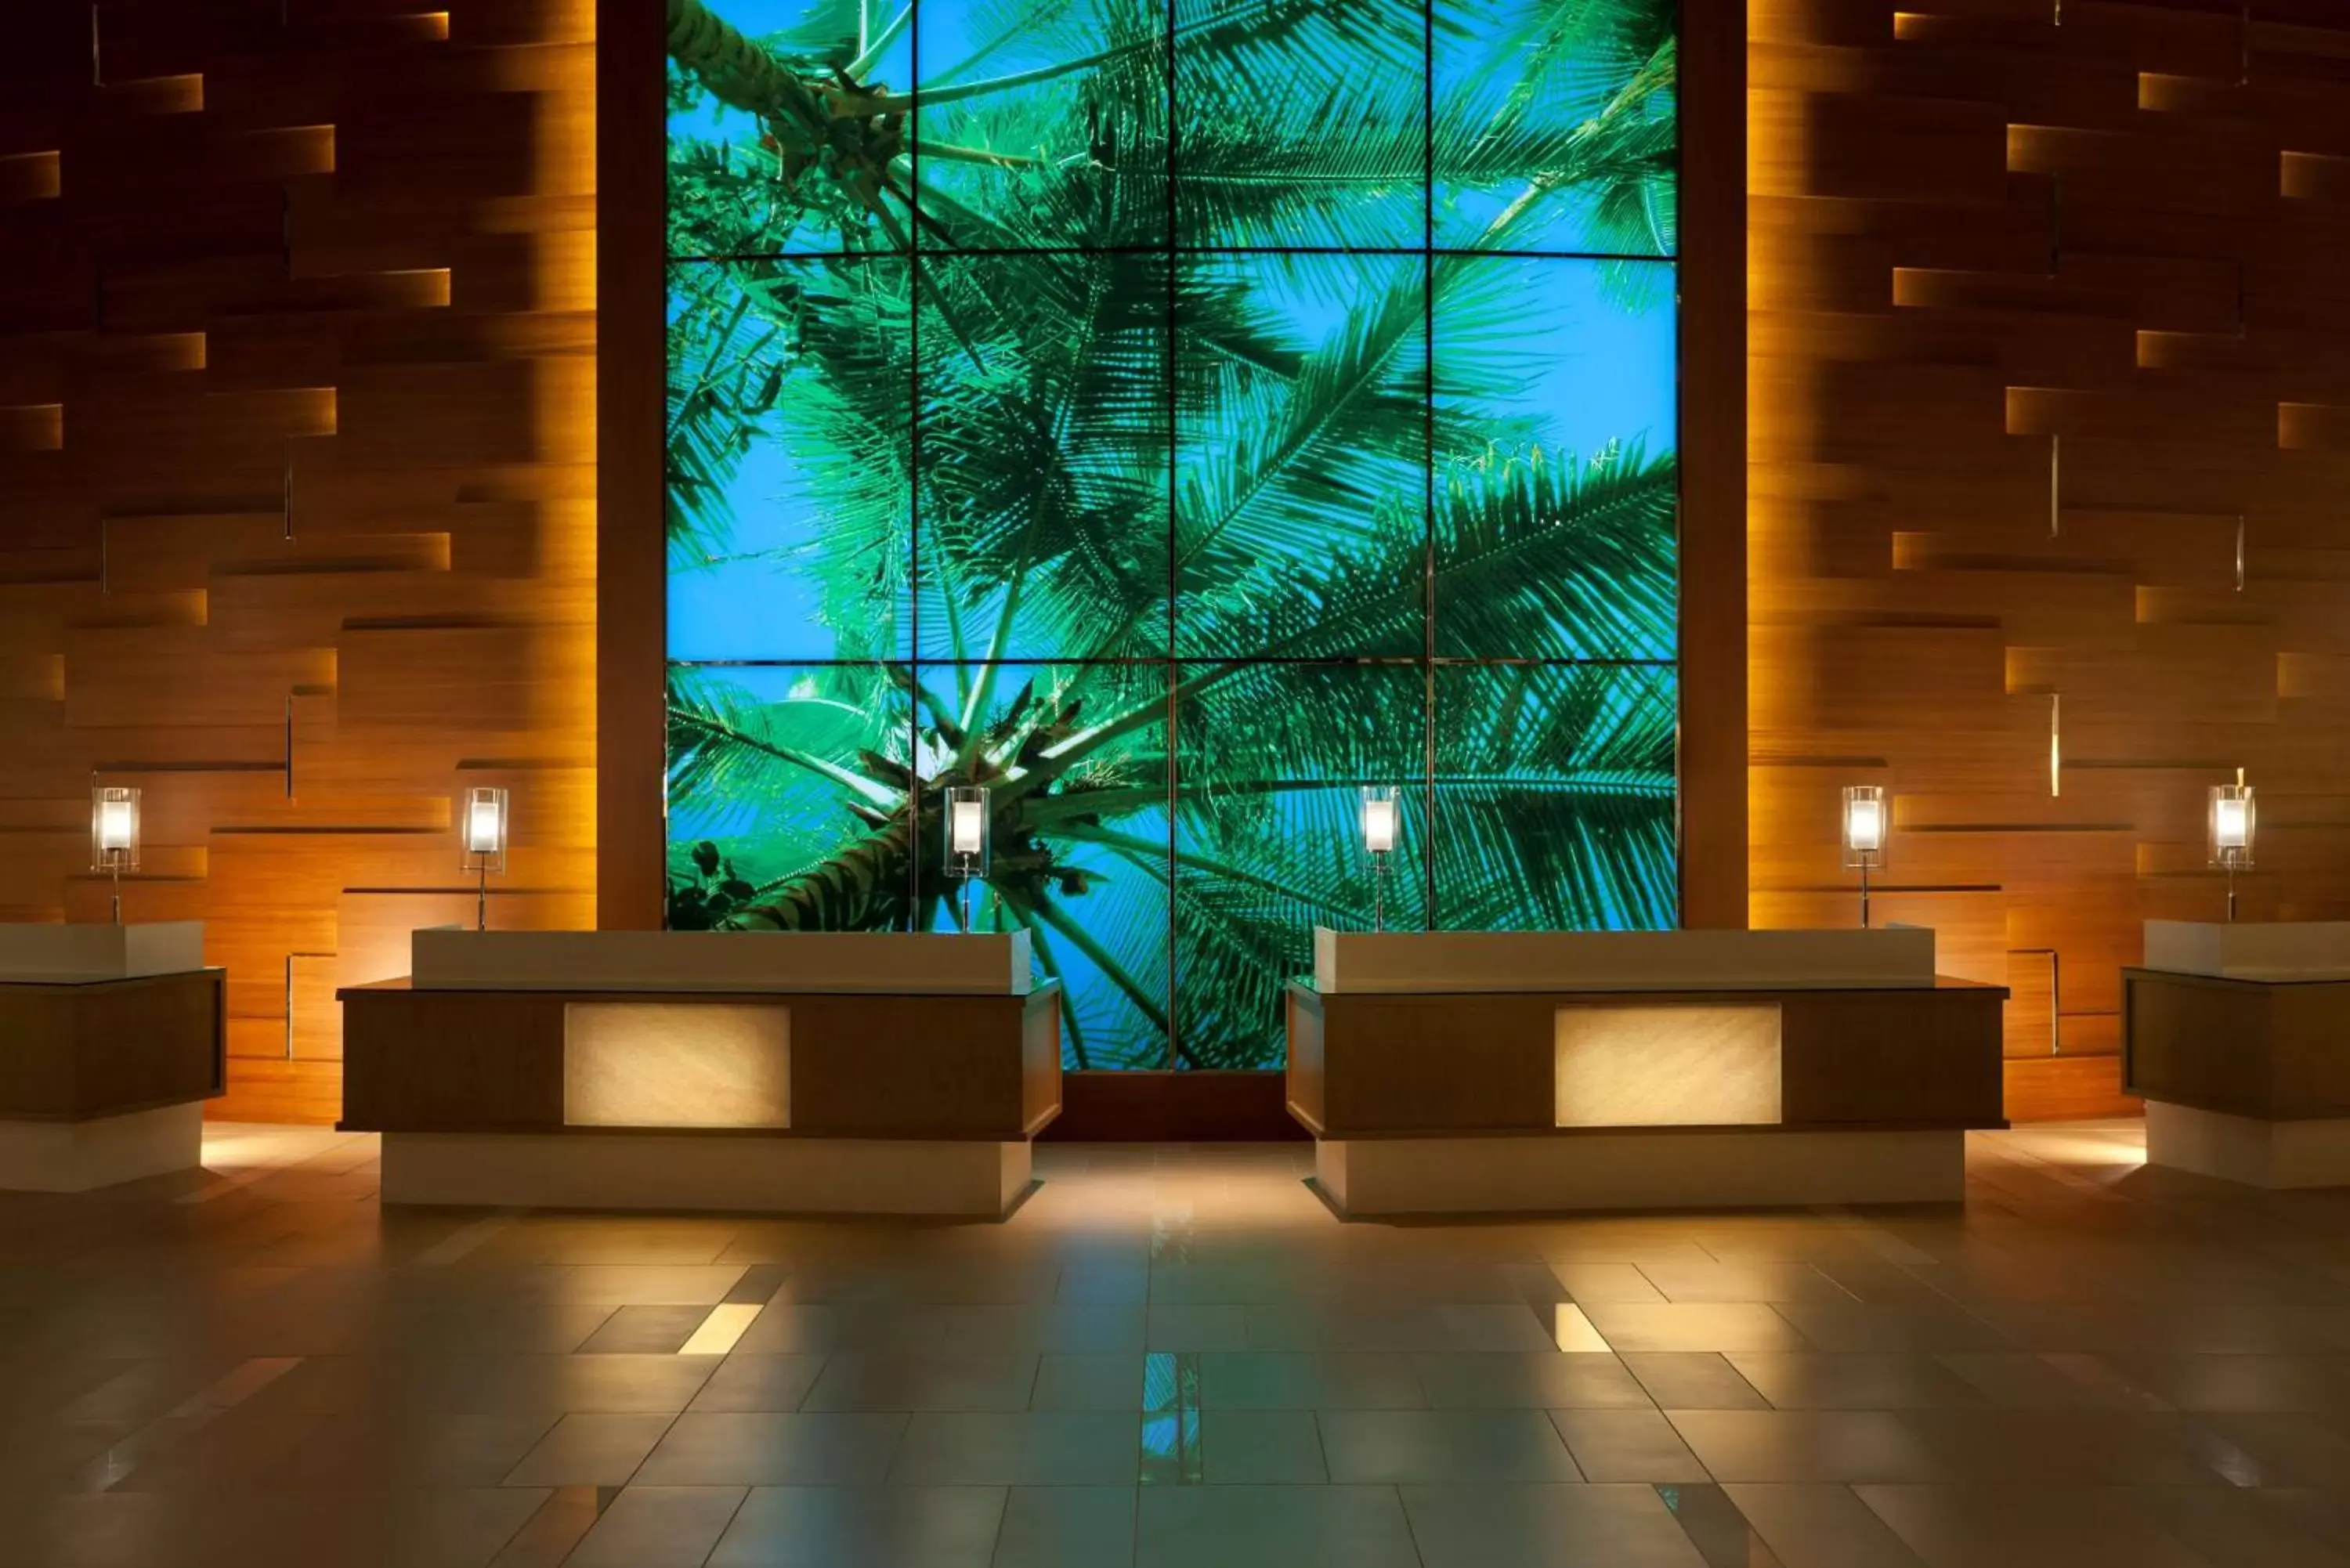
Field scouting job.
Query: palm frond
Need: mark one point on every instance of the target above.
(808, 359)
(1596, 77)
(735, 751)
(1296, 467)
(1554, 798)
(718, 392)
(1537, 554)
(1046, 466)
(1572, 58)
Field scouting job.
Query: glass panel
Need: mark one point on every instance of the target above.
(1301, 437)
(787, 797)
(1076, 759)
(1043, 456)
(1301, 125)
(1272, 761)
(789, 461)
(1043, 124)
(783, 131)
(1556, 126)
(1176, 409)
(1555, 797)
(1559, 486)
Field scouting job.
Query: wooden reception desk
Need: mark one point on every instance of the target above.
(2239, 1038)
(114, 1037)
(1463, 1073)
(817, 1074)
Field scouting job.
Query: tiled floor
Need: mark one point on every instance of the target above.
(1175, 1356)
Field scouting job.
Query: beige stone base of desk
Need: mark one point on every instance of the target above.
(2249, 1149)
(929, 1179)
(75, 1157)
(1709, 1169)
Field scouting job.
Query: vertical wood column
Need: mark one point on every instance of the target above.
(1714, 459)
(631, 590)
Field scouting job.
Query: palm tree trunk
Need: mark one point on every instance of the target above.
(865, 888)
(742, 75)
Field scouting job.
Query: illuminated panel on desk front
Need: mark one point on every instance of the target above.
(1668, 1067)
(676, 1064)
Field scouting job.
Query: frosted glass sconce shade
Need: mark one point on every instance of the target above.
(481, 819)
(967, 830)
(1382, 814)
(1866, 814)
(2231, 826)
(967, 842)
(113, 828)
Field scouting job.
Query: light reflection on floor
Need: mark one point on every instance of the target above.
(1176, 1355)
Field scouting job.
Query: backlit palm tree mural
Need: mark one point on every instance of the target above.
(1174, 420)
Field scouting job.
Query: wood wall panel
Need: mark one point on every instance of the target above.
(2049, 429)
(298, 446)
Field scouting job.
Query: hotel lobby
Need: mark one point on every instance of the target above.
(1133, 783)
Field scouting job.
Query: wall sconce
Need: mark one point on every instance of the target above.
(1867, 815)
(481, 819)
(1382, 819)
(2231, 823)
(114, 836)
(967, 841)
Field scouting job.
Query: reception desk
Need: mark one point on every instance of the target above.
(811, 1074)
(114, 1037)
(2238, 1036)
(1467, 1072)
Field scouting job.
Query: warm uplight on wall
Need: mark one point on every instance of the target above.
(2056, 487)
(114, 836)
(2231, 823)
(967, 840)
(1382, 816)
(31, 176)
(1868, 817)
(2159, 93)
(32, 427)
(482, 822)
(2303, 176)
(169, 95)
(2055, 744)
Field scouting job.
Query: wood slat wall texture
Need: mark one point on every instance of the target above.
(296, 478)
(2050, 476)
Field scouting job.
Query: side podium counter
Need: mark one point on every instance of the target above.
(1485, 1073)
(807, 1074)
(2235, 1035)
(115, 1037)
